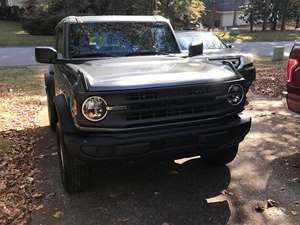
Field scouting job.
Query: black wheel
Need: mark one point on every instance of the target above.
(74, 173)
(223, 156)
(51, 112)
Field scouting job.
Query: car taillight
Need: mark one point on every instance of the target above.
(292, 63)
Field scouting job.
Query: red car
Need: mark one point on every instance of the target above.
(293, 80)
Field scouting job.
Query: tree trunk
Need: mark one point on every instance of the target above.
(213, 15)
(235, 13)
(3, 3)
(251, 22)
(284, 15)
(297, 21)
(274, 25)
(264, 25)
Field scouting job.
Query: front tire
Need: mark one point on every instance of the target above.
(222, 156)
(74, 173)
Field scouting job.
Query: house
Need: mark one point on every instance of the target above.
(223, 13)
(10, 3)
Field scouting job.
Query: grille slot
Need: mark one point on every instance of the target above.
(175, 103)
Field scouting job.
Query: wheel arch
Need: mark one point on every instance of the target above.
(64, 114)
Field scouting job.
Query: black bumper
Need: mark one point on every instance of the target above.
(183, 140)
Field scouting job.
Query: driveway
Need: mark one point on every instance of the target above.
(263, 48)
(185, 192)
(17, 56)
(24, 56)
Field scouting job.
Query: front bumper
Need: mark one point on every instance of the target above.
(178, 141)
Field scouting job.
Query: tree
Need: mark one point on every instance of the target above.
(235, 14)
(182, 12)
(251, 13)
(294, 12)
(257, 12)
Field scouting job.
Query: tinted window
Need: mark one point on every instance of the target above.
(210, 41)
(121, 39)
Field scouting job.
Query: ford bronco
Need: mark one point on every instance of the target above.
(119, 88)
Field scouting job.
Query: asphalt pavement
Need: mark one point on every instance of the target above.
(24, 56)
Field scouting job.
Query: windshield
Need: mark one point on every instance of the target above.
(210, 41)
(121, 39)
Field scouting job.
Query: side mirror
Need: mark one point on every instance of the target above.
(195, 49)
(46, 55)
(229, 46)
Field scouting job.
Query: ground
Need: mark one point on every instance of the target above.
(260, 187)
(12, 34)
(259, 36)
(186, 191)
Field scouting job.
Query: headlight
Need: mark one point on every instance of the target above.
(247, 59)
(94, 109)
(235, 94)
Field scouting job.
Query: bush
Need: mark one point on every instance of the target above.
(40, 25)
(10, 13)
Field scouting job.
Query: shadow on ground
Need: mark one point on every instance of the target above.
(133, 193)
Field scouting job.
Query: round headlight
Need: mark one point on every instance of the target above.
(235, 94)
(94, 109)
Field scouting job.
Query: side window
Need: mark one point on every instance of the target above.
(59, 42)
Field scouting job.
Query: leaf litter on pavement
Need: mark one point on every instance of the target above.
(270, 78)
(19, 107)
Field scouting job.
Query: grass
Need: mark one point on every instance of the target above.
(24, 80)
(261, 36)
(12, 34)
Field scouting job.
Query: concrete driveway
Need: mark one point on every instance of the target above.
(185, 192)
(24, 56)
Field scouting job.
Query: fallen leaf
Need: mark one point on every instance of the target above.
(226, 192)
(260, 207)
(39, 207)
(294, 213)
(57, 215)
(38, 195)
(272, 203)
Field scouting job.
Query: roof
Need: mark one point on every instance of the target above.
(224, 5)
(90, 19)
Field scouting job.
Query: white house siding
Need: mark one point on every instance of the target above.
(19, 3)
(227, 19)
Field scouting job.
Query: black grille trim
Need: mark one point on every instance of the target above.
(164, 105)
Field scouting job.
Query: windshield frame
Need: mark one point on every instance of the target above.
(172, 32)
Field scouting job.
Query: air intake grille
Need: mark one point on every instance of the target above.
(179, 103)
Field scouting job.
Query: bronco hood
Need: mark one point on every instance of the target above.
(125, 73)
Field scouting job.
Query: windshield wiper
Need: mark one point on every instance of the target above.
(146, 53)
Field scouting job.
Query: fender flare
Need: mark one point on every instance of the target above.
(64, 114)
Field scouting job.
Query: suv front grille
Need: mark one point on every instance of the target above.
(176, 103)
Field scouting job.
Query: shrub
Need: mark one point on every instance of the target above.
(41, 24)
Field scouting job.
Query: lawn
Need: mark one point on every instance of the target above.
(12, 34)
(261, 36)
